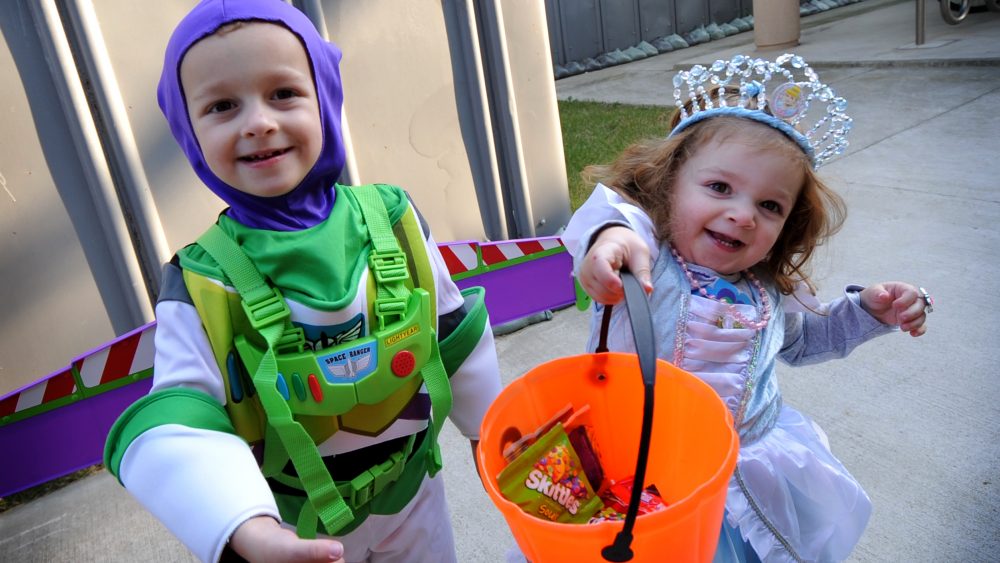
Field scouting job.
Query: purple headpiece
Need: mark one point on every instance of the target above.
(310, 202)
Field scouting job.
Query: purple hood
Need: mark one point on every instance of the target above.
(310, 202)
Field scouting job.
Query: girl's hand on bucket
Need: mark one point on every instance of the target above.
(613, 248)
(896, 303)
(262, 539)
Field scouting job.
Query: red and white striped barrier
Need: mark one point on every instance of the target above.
(460, 257)
(53, 388)
(130, 354)
(495, 253)
(126, 356)
(469, 257)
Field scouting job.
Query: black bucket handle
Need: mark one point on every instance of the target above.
(637, 305)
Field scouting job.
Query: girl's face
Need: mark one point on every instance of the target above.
(730, 202)
(253, 107)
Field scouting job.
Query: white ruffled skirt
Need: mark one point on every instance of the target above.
(791, 499)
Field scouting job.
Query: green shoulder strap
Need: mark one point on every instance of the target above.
(388, 264)
(268, 314)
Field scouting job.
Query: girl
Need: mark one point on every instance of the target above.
(728, 209)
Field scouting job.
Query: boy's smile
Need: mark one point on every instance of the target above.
(729, 203)
(253, 107)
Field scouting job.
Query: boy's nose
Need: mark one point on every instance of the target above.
(258, 122)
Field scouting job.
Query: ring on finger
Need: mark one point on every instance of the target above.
(928, 300)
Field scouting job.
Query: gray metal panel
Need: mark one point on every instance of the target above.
(536, 118)
(555, 31)
(420, 126)
(135, 39)
(656, 18)
(723, 11)
(691, 14)
(60, 291)
(620, 22)
(118, 140)
(746, 7)
(581, 26)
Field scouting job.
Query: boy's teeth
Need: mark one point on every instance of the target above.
(255, 157)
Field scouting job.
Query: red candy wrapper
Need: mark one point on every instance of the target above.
(620, 492)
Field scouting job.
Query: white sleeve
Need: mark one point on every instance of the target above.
(184, 356)
(202, 484)
(476, 382)
(603, 208)
(449, 297)
(474, 385)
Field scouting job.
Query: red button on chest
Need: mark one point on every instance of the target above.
(403, 363)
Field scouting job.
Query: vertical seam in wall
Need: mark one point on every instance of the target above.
(114, 130)
(92, 159)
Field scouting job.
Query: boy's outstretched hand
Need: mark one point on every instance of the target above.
(896, 303)
(614, 247)
(262, 539)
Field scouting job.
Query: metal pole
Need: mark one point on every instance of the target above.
(920, 22)
(98, 179)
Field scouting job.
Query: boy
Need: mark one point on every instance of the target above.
(315, 322)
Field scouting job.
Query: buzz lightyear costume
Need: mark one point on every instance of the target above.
(321, 328)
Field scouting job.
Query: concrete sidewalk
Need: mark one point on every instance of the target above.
(915, 420)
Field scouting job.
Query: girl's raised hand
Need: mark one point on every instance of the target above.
(896, 303)
(262, 539)
(599, 273)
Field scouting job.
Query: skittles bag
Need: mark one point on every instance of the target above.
(547, 480)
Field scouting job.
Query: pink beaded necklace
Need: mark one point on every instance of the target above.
(756, 325)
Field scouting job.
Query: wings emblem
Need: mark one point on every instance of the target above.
(352, 367)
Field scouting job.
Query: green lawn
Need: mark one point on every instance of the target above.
(595, 133)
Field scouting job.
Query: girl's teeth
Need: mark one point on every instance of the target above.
(732, 243)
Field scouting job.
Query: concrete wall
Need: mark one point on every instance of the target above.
(452, 99)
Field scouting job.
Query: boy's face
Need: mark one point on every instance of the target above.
(253, 107)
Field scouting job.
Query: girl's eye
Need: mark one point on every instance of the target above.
(720, 187)
(284, 94)
(772, 206)
(219, 107)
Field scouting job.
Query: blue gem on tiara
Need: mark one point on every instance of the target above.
(788, 91)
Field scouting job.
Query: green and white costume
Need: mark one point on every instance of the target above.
(183, 450)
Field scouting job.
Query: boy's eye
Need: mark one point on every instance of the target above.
(721, 187)
(219, 107)
(284, 94)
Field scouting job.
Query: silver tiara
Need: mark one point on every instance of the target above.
(786, 88)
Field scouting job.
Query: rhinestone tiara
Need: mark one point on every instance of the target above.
(786, 88)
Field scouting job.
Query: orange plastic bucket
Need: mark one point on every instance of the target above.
(691, 458)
